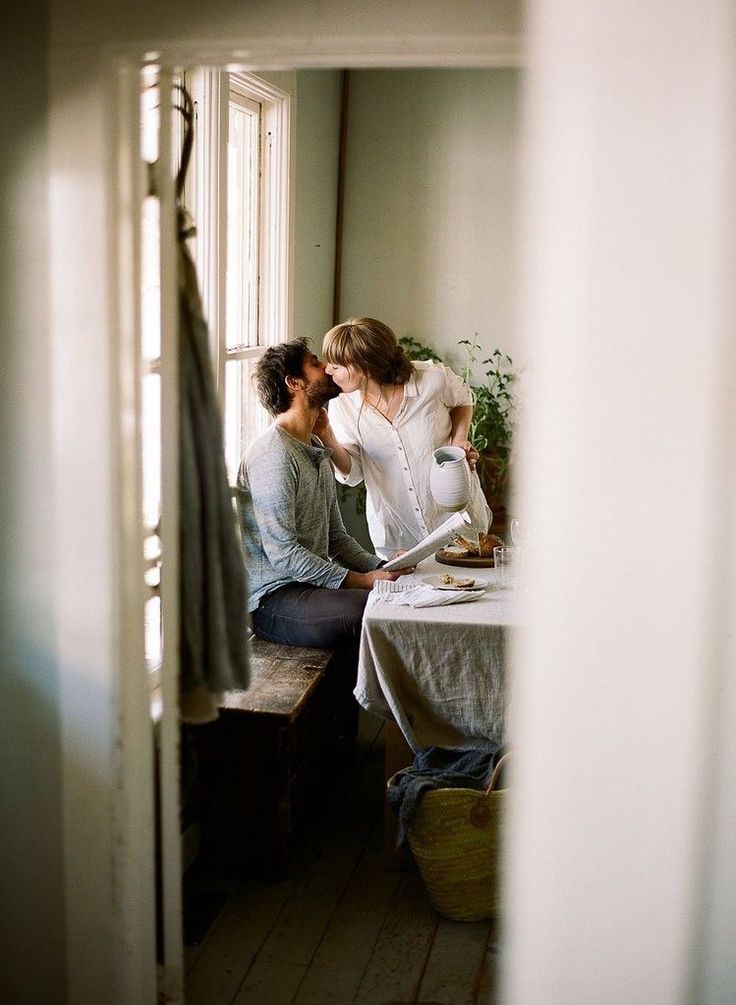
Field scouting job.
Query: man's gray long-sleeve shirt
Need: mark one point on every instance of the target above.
(289, 518)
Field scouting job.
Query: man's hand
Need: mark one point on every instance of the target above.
(365, 580)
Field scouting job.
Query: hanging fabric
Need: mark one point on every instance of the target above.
(213, 590)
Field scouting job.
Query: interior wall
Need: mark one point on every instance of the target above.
(361, 29)
(32, 966)
(621, 682)
(430, 207)
(317, 143)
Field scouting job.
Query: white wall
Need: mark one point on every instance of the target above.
(458, 31)
(32, 966)
(621, 677)
(318, 133)
(429, 242)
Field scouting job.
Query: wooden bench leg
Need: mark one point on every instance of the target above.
(398, 755)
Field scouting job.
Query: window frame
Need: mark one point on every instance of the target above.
(206, 196)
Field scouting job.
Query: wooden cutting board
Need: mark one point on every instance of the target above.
(467, 561)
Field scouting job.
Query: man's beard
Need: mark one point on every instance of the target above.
(322, 391)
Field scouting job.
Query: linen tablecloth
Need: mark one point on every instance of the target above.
(439, 672)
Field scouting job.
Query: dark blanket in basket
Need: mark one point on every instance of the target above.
(438, 768)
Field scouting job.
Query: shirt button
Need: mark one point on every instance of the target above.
(411, 489)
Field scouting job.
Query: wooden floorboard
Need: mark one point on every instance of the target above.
(395, 970)
(341, 929)
(272, 982)
(455, 961)
(487, 992)
(311, 904)
(348, 942)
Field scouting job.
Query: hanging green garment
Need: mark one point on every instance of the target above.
(213, 593)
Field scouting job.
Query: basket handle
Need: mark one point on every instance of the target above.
(480, 813)
(496, 776)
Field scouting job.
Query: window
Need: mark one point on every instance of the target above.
(150, 394)
(240, 201)
(238, 194)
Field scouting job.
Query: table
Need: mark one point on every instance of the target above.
(439, 672)
(436, 674)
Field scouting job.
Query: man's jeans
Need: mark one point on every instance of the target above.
(301, 615)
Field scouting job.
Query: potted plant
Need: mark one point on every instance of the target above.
(491, 430)
(415, 350)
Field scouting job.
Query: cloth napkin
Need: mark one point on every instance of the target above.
(427, 596)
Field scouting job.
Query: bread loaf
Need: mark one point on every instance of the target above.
(487, 543)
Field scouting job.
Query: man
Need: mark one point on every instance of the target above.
(309, 580)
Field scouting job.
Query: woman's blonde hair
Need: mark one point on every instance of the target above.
(371, 347)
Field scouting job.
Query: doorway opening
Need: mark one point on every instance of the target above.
(417, 171)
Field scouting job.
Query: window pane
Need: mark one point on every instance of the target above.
(241, 327)
(150, 281)
(152, 622)
(245, 417)
(151, 448)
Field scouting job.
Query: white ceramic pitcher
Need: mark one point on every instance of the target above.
(449, 479)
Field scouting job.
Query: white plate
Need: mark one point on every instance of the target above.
(435, 581)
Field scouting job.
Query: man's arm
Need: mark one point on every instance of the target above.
(276, 504)
(364, 567)
(273, 487)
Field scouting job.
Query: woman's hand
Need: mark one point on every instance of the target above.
(471, 454)
(322, 427)
(340, 458)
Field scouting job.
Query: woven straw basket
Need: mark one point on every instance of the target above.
(455, 837)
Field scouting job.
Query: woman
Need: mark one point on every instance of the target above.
(383, 429)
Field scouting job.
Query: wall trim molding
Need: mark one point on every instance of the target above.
(499, 49)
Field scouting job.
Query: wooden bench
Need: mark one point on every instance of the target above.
(263, 760)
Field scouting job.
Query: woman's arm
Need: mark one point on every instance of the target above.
(460, 417)
(340, 456)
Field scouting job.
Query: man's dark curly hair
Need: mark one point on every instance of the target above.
(276, 364)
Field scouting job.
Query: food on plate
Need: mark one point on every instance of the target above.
(487, 543)
(460, 584)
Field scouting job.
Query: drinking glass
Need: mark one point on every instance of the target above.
(506, 563)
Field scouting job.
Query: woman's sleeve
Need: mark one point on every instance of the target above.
(346, 435)
(455, 391)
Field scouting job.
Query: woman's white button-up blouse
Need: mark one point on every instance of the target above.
(395, 458)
